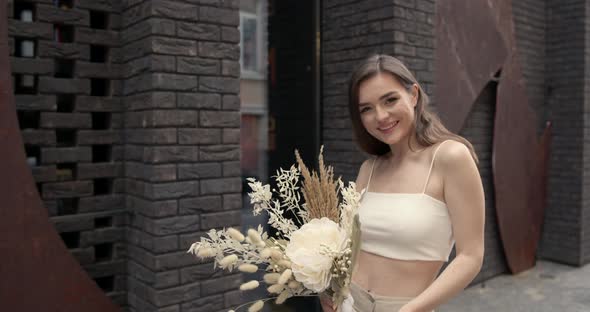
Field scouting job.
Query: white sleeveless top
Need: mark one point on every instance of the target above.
(405, 226)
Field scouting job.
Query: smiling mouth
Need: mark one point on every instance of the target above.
(388, 128)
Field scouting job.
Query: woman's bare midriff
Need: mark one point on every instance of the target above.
(393, 277)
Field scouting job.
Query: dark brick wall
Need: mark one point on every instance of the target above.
(352, 31)
(550, 37)
(585, 220)
(71, 123)
(565, 68)
(529, 24)
(478, 129)
(134, 127)
(182, 149)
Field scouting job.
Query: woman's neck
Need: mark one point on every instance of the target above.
(400, 151)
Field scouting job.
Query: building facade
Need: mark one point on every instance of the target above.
(141, 118)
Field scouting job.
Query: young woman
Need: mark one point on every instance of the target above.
(421, 195)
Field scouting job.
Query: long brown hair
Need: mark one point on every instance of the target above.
(428, 127)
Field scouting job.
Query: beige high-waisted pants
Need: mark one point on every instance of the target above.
(365, 301)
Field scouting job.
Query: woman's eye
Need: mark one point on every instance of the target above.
(391, 100)
(364, 109)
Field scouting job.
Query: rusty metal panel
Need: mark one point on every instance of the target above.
(475, 42)
(469, 51)
(37, 271)
(519, 163)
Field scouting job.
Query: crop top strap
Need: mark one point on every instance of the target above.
(371, 174)
(432, 164)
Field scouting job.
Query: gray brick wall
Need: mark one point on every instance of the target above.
(549, 37)
(71, 120)
(181, 154)
(530, 22)
(478, 130)
(564, 65)
(585, 220)
(133, 126)
(352, 31)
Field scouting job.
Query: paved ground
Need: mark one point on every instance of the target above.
(549, 287)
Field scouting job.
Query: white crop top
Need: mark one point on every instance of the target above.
(405, 226)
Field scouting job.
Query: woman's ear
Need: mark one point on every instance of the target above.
(415, 92)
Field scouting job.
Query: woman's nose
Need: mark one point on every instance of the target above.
(381, 113)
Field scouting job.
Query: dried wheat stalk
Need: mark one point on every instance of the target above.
(320, 192)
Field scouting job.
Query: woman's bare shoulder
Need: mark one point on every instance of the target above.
(453, 154)
(364, 172)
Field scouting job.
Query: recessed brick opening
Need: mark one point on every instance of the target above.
(64, 4)
(25, 47)
(103, 186)
(63, 68)
(22, 9)
(103, 252)
(66, 171)
(71, 239)
(28, 119)
(63, 33)
(99, 87)
(65, 103)
(33, 152)
(25, 84)
(98, 53)
(106, 283)
(67, 206)
(103, 222)
(101, 120)
(65, 137)
(101, 153)
(99, 20)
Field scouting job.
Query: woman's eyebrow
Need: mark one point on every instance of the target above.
(384, 96)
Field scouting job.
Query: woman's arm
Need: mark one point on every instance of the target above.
(363, 176)
(465, 200)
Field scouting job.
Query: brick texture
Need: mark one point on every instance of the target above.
(352, 31)
(565, 105)
(131, 127)
(70, 119)
(478, 130)
(175, 149)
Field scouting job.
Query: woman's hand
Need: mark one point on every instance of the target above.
(327, 304)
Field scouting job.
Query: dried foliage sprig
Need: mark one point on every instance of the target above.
(320, 192)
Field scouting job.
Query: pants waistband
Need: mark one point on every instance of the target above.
(374, 297)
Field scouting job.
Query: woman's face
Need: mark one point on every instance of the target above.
(387, 108)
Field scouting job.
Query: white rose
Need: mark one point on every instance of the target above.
(309, 265)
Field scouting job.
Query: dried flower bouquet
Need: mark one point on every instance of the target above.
(316, 257)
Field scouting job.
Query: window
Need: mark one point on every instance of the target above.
(251, 38)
